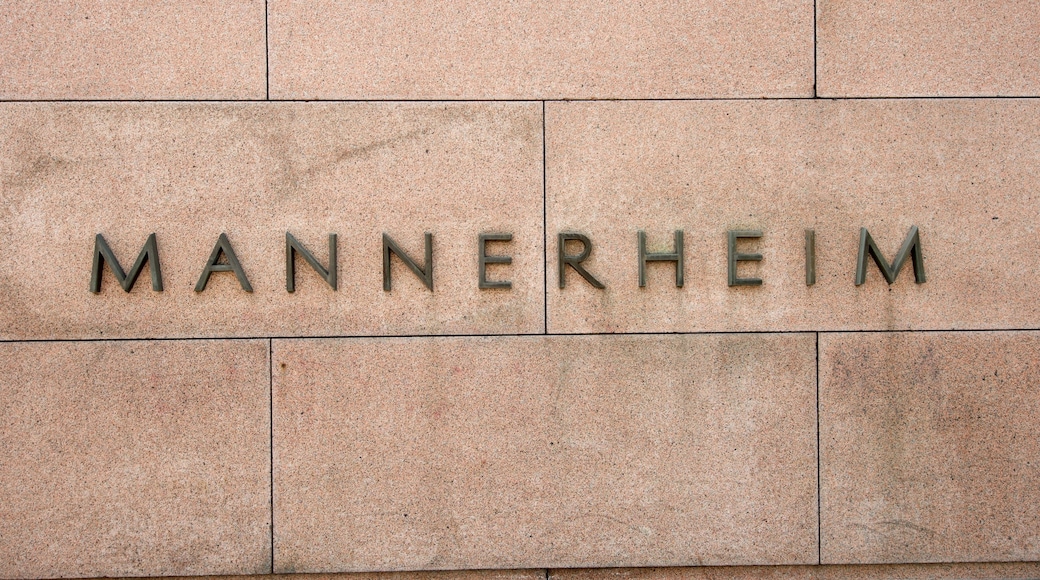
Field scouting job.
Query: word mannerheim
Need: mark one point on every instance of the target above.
(224, 259)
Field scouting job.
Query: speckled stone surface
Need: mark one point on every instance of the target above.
(441, 453)
(929, 447)
(189, 172)
(959, 571)
(134, 458)
(928, 48)
(397, 446)
(425, 49)
(532, 574)
(965, 172)
(126, 49)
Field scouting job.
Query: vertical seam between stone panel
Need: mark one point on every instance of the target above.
(545, 235)
(819, 488)
(267, 53)
(270, 414)
(815, 94)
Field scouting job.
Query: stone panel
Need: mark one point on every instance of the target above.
(134, 458)
(957, 571)
(931, 48)
(189, 172)
(929, 447)
(122, 49)
(410, 575)
(965, 172)
(441, 453)
(407, 49)
(436, 575)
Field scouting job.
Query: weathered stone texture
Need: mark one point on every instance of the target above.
(956, 571)
(125, 49)
(440, 453)
(407, 49)
(928, 48)
(929, 447)
(189, 172)
(966, 172)
(134, 458)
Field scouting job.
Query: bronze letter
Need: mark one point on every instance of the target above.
(102, 253)
(574, 261)
(911, 249)
(223, 246)
(735, 257)
(425, 274)
(810, 257)
(676, 256)
(292, 246)
(483, 260)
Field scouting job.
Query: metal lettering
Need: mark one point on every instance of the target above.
(425, 274)
(483, 260)
(734, 257)
(149, 253)
(810, 257)
(223, 247)
(292, 246)
(911, 249)
(574, 261)
(676, 256)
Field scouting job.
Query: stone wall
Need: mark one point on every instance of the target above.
(579, 290)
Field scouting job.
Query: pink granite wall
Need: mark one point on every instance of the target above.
(536, 426)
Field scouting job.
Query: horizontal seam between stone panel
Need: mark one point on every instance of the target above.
(389, 100)
(533, 100)
(515, 335)
(491, 571)
(926, 97)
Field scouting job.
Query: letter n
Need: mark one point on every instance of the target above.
(102, 254)
(293, 247)
(911, 249)
(425, 273)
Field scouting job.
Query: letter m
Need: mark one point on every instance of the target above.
(911, 249)
(102, 253)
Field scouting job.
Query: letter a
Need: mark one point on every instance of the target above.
(223, 246)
